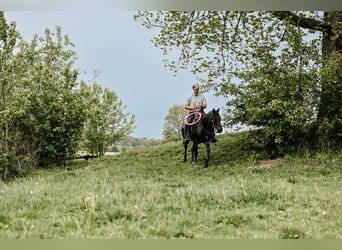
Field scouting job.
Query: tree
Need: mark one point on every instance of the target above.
(54, 114)
(41, 110)
(232, 49)
(11, 102)
(172, 129)
(106, 121)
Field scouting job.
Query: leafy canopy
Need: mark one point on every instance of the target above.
(267, 64)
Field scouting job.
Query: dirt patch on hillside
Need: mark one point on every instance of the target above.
(267, 163)
(91, 166)
(94, 165)
(112, 153)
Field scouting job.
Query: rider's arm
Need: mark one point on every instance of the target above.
(196, 106)
(202, 106)
(188, 107)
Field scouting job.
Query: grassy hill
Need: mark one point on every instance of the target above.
(151, 193)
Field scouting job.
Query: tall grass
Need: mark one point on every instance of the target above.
(151, 193)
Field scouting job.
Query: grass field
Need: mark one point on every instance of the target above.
(150, 193)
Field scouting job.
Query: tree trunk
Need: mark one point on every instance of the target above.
(332, 41)
(329, 125)
(330, 98)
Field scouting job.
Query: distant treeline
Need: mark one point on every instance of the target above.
(131, 143)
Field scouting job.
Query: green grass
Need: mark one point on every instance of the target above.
(150, 193)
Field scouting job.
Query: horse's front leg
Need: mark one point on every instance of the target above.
(207, 144)
(194, 153)
(185, 150)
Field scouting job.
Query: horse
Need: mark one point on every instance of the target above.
(202, 132)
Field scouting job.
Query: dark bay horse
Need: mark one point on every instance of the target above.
(203, 132)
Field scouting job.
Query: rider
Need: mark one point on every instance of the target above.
(195, 102)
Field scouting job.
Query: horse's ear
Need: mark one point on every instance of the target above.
(213, 110)
(218, 110)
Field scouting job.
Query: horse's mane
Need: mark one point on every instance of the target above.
(206, 117)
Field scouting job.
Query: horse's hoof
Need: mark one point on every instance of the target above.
(194, 163)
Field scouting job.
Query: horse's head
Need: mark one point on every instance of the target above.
(216, 120)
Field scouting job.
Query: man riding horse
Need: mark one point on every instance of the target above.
(194, 103)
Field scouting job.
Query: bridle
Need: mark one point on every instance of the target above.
(213, 124)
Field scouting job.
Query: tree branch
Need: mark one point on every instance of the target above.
(303, 22)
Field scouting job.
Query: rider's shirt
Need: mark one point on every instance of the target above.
(192, 100)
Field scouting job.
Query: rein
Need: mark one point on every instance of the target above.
(208, 132)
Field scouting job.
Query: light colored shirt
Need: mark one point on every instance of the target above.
(193, 100)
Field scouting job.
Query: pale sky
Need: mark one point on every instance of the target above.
(120, 48)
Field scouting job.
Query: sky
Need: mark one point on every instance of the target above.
(119, 48)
